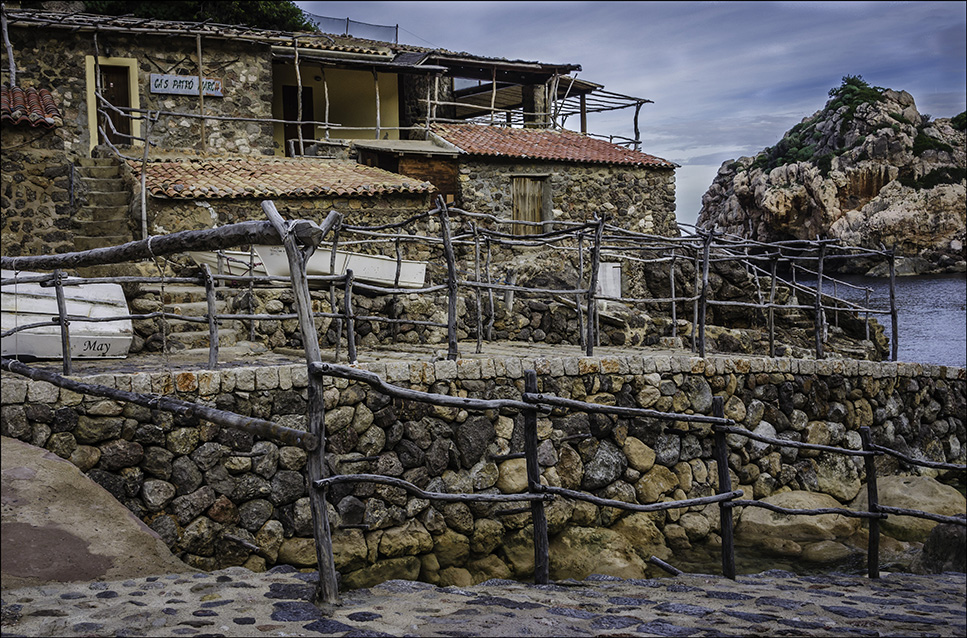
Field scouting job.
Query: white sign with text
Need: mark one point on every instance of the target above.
(184, 85)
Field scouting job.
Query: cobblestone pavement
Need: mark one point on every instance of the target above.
(237, 602)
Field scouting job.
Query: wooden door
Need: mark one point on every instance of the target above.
(116, 89)
(290, 111)
(528, 204)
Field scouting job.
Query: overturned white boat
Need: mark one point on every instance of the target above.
(375, 269)
(24, 304)
(239, 263)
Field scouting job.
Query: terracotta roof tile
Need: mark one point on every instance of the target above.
(30, 106)
(560, 145)
(269, 177)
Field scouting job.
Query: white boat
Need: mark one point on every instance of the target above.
(375, 269)
(30, 303)
(228, 262)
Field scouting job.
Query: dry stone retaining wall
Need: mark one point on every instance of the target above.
(213, 494)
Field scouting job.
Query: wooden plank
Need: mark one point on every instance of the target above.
(538, 517)
(452, 350)
(873, 502)
(724, 486)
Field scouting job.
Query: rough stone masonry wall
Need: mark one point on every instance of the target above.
(214, 493)
(639, 199)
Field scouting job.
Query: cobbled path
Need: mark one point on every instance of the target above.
(237, 602)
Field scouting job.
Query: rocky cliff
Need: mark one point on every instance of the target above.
(868, 169)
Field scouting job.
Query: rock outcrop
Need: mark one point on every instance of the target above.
(868, 169)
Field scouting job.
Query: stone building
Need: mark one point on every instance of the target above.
(116, 128)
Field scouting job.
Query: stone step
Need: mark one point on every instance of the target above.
(106, 198)
(103, 228)
(99, 172)
(102, 184)
(97, 161)
(199, 338)
(90, 243)
(99, 213)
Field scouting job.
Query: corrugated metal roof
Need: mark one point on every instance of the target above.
(269, 177)
(30, 106)
(544, 144)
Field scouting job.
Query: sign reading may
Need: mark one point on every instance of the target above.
(184, 85)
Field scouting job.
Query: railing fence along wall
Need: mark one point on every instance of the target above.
(588, 240)
(299, 239)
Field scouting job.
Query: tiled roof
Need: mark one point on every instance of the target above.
(560, 145)
(33, 107)
(269, 177)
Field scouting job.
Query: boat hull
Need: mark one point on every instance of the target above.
(375, 269)
(237, 263)
(29, 303)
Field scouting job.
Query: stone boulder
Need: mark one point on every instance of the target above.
(945, 550)
(580, 551)
(915, 493)
(770, 530)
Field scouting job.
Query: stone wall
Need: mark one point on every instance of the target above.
(35, 199)
(640, 199)
(210, 492)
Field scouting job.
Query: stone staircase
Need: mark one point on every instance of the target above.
(187, 301)
(103, 216)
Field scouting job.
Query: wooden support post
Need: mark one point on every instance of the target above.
(476, 268)
(332, 289)
(589, 338)
(65, 333)
(671, 282)
(328, 590)
(772, 310)
(376, 85)
(490, 296)
(695, 293)
(893, 313)
(251, 292)
(212, 320)
(703, 298)
(452, 352)
(201, 97)
(873, 544)
(725, 485)
(866, 316)
(325, 92)
(819, 323)
(541, 548)
(347, 300)
(577, 297)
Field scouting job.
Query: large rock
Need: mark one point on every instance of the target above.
(60, 526)
(867, 171)
(945, 550)
(757, 524)
(580, 551)
(914, 493)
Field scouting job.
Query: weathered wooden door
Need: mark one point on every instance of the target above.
(290, 111)
(528, 203)
(116, 89)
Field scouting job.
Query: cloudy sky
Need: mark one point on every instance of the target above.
(727, 78)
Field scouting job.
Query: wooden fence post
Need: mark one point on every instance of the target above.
(212, 321)
(577, 298)
(873, 544)
(696, 294)
(893, 313)
(347, 300)
(65, 333)
(452, 350)
(541, 548)
(772, 310)
(328, 589)
(671, 277)
(725, 485)
(703, 299)
(476, 267)
(819, 323)
(589, 338)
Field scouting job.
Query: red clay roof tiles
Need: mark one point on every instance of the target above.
(271, 177)
(542, 144)
(30, 106)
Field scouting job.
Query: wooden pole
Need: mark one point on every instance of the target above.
(201, 96)
(703, 299)
(695, 291)
(212, 321)
(577, 297)
(332, 288)
(328, 589)
(452, 351)
(376, 84)
(873, 544)
(490, 296)
(7, 45)
(251, 292)
(347, 300)
(671, 277)
(65, 333)
(325, 92)
(725, 485)
(772, 310)
(589, 339)
(893, 311)
(476, 267)
(541, 548)
(298, 98)
(819, 301)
